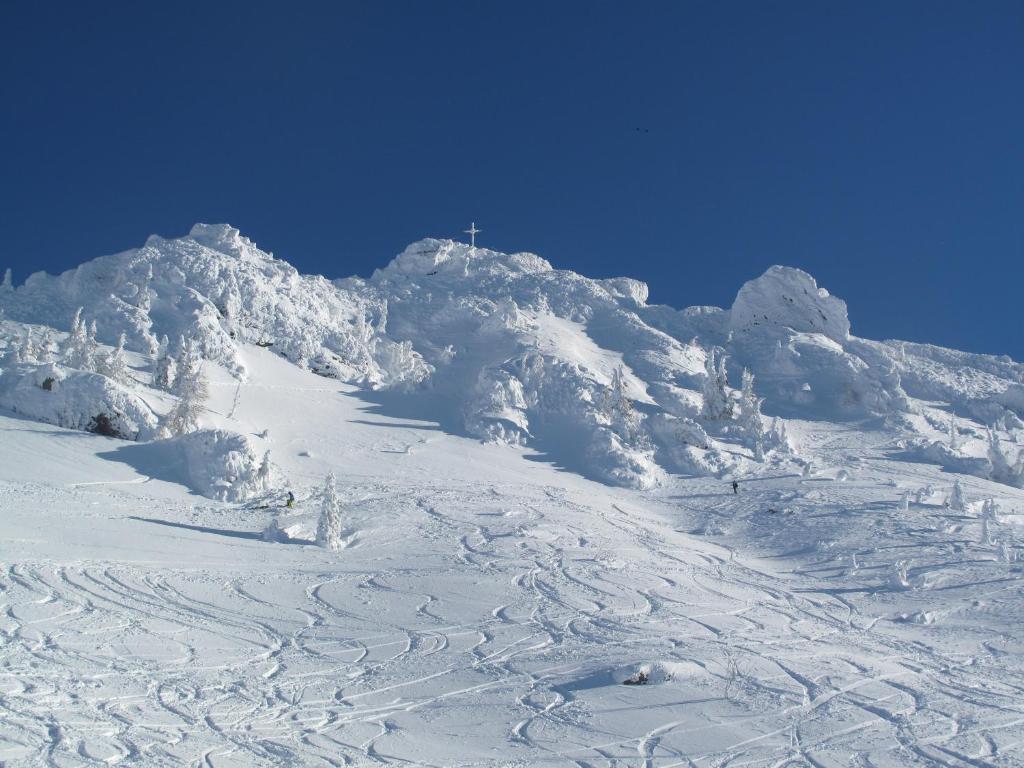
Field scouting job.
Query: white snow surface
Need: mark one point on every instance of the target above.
(529, 573)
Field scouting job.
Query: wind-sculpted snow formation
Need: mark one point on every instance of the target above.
(508, 349)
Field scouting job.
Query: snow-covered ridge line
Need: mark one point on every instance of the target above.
(509, 349)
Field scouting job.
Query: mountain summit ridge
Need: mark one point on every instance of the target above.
(512, 350)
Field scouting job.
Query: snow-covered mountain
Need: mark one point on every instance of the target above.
(508, 349)
(513, 535)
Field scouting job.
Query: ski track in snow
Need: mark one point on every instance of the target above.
(492, 622)
(108, 663)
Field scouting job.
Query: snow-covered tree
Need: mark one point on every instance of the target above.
(143, 300)
(230, 304)
(328, 529)
(114, 366)
(954, 435)
(956, 498)
(264, 476)
(988, 517)
(28, 351)
(79, 349)
(1002, 470)
(617, 408)
(192, 391)
(777, 438)
(905, 501)
(8, 283)
(165, 368)
(749, 416)
(899, 577)
(717, 403)
(48, 348)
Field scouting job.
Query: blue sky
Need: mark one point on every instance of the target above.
(878, 145)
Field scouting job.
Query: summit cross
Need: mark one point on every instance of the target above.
(472, 232)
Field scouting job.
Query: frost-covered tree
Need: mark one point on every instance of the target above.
(264, 475)
(617, 408)
(749, 416)
(954, 435)
(48, 348)
(79, 350)
(905, 501)
(717, 403)
(988, 517)
(8, 283)
(899, 577)
(956, 498)
(143, 300)
(1002, 471)
(165, 368)
(230, 303)
(28, 351)
(192, 391)
(114, 366)
(777, 438)
(328, 529)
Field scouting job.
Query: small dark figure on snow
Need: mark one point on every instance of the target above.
(291, 500)
(735, 487)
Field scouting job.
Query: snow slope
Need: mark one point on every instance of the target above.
(508, 594)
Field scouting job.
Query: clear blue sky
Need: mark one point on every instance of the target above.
(878, 145)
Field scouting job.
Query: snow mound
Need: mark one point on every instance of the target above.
(76, 400)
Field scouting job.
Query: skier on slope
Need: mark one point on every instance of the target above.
(735, 487)
(291, 500)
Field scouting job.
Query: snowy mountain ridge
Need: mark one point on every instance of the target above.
(477, 511)
(511, 350)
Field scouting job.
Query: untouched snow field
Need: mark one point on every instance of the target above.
(490, 609)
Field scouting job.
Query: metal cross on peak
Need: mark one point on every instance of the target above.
(472, 232)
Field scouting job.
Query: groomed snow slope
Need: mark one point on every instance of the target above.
(488, 608)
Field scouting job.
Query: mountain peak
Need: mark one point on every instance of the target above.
(432, 256)
(220, 237)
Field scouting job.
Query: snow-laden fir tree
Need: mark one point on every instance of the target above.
(114, 366)
(8, 283)
(618, 409)
(749, 416)
(29, 352)
(956, 498)
(48, 348)
(988, 517)
(899, 577)
(79, 351)
(717, 403)
(1002, 470)
(328, 528)
(165, 368)
(777, 438)
(143, 300)
(264, 476)
(905, 501)
(192, 391)
(954, 435)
